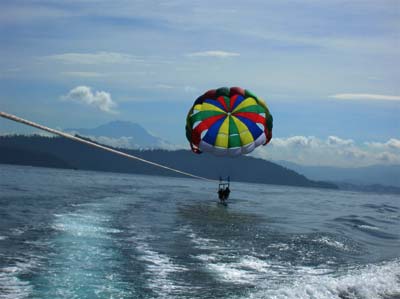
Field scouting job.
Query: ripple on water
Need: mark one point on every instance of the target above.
(356, 222)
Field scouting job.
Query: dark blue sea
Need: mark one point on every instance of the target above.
(84, 234)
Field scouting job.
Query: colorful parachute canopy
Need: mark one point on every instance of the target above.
(228, 121)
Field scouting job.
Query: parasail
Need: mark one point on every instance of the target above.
(228, 122)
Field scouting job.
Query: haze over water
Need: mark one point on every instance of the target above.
(81, 234)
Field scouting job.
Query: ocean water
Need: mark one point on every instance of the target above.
(84, 234)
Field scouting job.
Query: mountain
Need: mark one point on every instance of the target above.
(80, 156)
(122, 134)
(384, 175)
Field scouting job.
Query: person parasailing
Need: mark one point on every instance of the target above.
(223, 190)
(228, 121)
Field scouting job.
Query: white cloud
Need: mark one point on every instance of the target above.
(387, 157)
(218, 54)
(332, 151)
(121, 142)
(83, 74)
(295, 142)
(339, 42)
(391, 144)
(164, 86)
(93, 58)
(99, 99)
(365, 96)
(336, 141)
(186, 89)
(127, 142)
(16, 13)
(190, 89)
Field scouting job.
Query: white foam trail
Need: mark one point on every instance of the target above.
(84, 225)
(159, 268)
(224, 265)
(206, 258)
(252, 269)
(332, 243)
(12, 287)
(199, 242)
(372, 281)
(280, 246)
(84, 257)
(256, 264)
(205, 243)
(368, 227)
(18, 231)
(232, 273)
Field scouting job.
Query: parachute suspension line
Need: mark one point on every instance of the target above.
(69, 136)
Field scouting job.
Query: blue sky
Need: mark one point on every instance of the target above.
(329, 70)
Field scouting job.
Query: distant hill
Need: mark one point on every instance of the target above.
(364, 178)
(71, 154)
(122, 134)
(376, 174)
(375, 188)
(19, 156)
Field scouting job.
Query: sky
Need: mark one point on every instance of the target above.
(328, 70)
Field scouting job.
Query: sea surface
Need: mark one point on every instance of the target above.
(85, 234)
